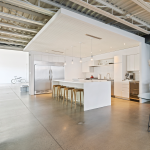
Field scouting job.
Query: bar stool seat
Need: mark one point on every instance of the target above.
(66, 91)
(75, 95)
(59, 91)
(53, 92)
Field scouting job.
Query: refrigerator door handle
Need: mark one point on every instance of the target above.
(49, 75)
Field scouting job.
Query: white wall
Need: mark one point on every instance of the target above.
(73, 70)
(110, 69)
(13, 63)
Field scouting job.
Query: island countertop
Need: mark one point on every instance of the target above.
(80, 81)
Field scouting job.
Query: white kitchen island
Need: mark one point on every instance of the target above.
(96, 93)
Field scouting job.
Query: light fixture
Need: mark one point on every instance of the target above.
(124, 43)
(91, 57)
(80, 60)
(80, 53)
(91, 50)
(72, 54)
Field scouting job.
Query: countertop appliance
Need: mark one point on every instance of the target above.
(134, 90)
(45, 72)
(129, 76)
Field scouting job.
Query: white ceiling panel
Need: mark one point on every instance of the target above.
(63, 31)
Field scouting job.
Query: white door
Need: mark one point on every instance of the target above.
(137, 62)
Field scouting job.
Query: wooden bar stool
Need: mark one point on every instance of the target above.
(59, 91)
(66, 91)
(75, 95)
(53, 92)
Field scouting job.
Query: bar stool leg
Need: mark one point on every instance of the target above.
(64, 96)
(61, 93)
(80, 98)
(75, 98)
(54, 92)
(58, 93)
(71, 97)
(67, 97)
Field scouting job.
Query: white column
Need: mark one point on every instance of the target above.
(31, 74)
(144, 69)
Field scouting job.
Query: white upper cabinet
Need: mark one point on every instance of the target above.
(137, 62)
(86, 67)
(133, 62)
(128, 63)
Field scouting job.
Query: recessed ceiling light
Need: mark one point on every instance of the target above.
(124, 43)
(99, 50)
(110, 47)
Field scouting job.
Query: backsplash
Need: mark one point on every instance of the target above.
(103, 70)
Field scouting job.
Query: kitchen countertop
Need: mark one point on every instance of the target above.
(99, 79)
(79, 81)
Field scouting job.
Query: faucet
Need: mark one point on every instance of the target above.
(109, 75)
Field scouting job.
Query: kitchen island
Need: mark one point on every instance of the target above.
(96, 93)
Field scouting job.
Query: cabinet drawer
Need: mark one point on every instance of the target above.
(125, 94)
(125, 90)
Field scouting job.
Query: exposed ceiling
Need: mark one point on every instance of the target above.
(21, 20)
(64, 32)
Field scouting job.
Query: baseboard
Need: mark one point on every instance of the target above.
(122, 97)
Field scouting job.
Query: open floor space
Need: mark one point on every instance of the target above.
(41, 122)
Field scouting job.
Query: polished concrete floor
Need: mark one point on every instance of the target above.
(42, 123)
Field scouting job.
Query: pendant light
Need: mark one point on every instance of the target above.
(80, 53)
(72, 55)
(65, 58)
(91, 50)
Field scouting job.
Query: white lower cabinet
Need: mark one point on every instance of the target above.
(125, 89)
(118, 79)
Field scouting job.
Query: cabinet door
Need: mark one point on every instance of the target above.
(128, 63)
(137, 62)
(118, 79)
(132, 61)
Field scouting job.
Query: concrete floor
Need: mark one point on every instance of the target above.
(42, 123)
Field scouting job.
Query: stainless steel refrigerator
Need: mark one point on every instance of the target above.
(45, 73)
